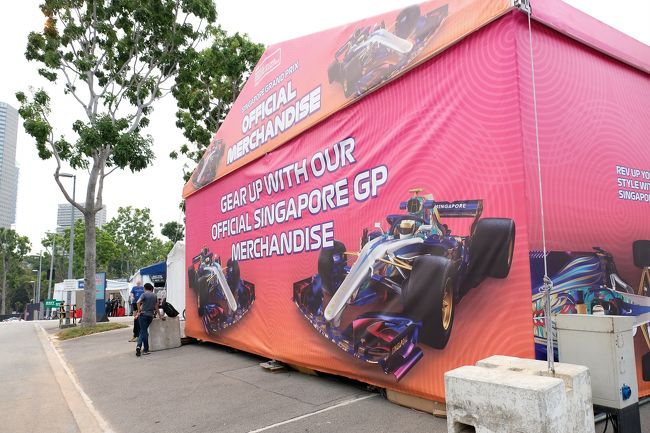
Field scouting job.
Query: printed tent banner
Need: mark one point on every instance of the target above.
(299, 83)
(400, 237)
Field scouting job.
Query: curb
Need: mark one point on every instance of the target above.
(81, 406)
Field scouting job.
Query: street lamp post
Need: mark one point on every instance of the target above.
(49, 282)
(40, 268)
(36, 285)
(69, 294)
(33, 283)
(33, 297)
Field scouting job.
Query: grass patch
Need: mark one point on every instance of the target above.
(79, 331)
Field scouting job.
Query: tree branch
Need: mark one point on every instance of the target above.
(97, 206)
(72, 90)
(133, 54)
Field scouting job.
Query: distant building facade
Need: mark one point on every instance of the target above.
(63, 217)
(8, 169)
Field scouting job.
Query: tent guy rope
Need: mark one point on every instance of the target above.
(548, 284)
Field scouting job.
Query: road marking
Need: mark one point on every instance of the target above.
(307, 415)
(81, 406)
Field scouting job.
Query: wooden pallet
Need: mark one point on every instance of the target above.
(411, 401)
(433, 407)
(303, 370)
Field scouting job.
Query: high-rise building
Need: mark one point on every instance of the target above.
(63, 217)
(8, 169)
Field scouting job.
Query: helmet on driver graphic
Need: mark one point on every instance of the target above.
(406, 229)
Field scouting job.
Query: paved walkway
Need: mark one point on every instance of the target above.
(31, 399)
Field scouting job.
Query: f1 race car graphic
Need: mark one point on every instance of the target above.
(222, 297)
(374, 53)
(587, 282)
(406, 281)
(205, 172)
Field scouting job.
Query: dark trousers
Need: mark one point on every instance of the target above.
(136, 327)
(145, 321)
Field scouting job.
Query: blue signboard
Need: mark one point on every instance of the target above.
(100, 295)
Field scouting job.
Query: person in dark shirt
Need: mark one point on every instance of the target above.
(110, 304)
(147, 309)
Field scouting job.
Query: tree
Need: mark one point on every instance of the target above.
(108, 251)
(132, 230)
(156, 251)
(115, 59)
(208, 83)
(60, 252)
(13, 249)
(173, 231)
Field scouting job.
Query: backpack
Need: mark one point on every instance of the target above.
(169, 309)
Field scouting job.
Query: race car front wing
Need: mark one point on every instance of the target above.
(216, 318)
(387, 339)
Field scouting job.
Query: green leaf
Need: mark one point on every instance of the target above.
(208, 83)
(110, 57)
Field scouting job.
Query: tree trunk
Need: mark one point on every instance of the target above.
(3, 309)
(90, 265)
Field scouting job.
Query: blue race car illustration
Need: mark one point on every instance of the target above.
(373, 54)
(223, 298)
(588, 282)
(414, 274)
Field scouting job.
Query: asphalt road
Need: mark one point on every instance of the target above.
(195, 388)
(208, 388)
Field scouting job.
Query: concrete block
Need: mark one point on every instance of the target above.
(494, 400)
(164, 334)
(577, 383)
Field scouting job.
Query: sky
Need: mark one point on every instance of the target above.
(159, 186)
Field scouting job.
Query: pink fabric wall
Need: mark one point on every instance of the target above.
(594, 125)
(450, 127)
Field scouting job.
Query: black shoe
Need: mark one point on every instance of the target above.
(137, 351)
(146, 352)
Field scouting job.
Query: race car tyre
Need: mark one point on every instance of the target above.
(491, 250)
(429, 298)
(243, 296)
(331, 273)
(312, 299)
(645, 367)
(233, 275)
(334, 72)
(191, 278)
(406, 21)
(641, 253)
(202, 296)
